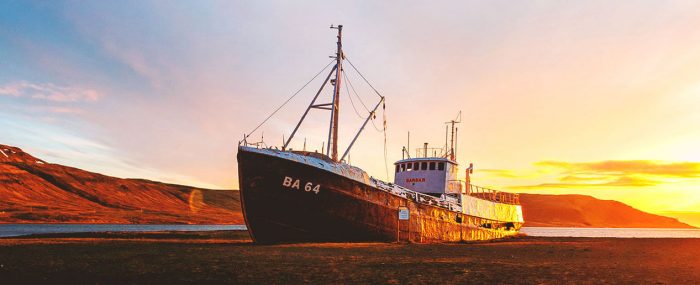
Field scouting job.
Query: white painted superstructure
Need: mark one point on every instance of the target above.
(434, 172)
(430, 175)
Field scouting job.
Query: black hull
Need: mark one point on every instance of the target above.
(277, 210)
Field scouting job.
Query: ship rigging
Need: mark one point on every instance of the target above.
(337, 73)
(302, 196)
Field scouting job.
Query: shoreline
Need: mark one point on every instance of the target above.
(231, 257)
(243, 236)
(67, 229)
(239, 224)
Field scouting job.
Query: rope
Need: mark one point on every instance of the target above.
(356, 95)
(347, 90)
(386, 163)
(285, 102)
(363, 77)
(375, 126)
(363, 103)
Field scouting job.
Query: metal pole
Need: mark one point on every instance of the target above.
(456, 140)
(336, 95)
(307, 109)
(452, 142)
(445, 141)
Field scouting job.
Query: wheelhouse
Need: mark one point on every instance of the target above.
(429, 175)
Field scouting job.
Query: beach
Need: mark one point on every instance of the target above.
(230, 257)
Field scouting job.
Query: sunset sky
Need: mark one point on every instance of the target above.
(591, 97)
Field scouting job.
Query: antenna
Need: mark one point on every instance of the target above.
(405, 151)
(445, 141)
(452, 138)
(456, 145)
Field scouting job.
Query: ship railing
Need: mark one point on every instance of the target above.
(430, 152)
(431, 200)
(416, 196)
(389, 187)
(494, 195)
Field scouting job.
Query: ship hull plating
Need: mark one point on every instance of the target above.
(287, 201)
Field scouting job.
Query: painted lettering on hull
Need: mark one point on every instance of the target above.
(413, 180)
(293, 183)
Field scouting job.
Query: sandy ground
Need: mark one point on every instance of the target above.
(229, 257)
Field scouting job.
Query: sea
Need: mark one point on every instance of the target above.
(10, 230)
(611, 232)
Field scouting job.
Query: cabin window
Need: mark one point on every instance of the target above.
(416, 165)
(403, 167)
(409, 166)
(398, 168)
(432, 165)
(441, 166)
(423, 166)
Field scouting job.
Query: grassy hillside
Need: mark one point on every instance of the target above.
(32, 190)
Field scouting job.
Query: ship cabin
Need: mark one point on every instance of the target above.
(433, 176)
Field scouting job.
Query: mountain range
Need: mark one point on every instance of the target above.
(35, 191)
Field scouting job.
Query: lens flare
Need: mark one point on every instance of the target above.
(196, 201)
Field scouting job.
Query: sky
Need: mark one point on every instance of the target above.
(591, 97)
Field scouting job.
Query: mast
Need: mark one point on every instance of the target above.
(333, 132)
(331, 147)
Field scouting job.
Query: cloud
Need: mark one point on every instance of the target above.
(613, 173)
(628, 167)
(50, 92)
(624, 181)
(10, 90)
(63, 110)
(136, 60)
(506, 173)
(57, 110)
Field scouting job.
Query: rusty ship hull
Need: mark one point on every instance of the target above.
(289, 197)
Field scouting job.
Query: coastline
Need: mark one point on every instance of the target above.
(230, 257)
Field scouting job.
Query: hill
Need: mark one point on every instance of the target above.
(586, 211)
(32, 190)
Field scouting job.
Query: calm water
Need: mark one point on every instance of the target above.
(611, 232)
(7, 230)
